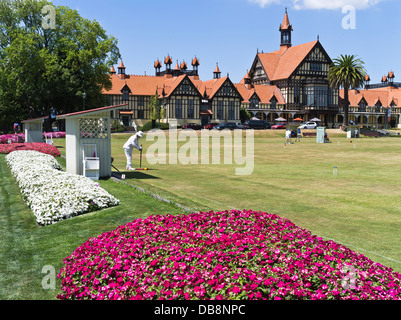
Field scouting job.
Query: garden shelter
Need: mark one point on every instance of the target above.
(88, 141)
(33, 130)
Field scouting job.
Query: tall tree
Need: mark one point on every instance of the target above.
(155, 108)
(45, 66)
(347, 71)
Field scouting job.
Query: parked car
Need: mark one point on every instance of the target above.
(242, 126)
(308, 125)
(193, 126)
(210, 126)
(258, 124)
(279, 126)
(226, 125)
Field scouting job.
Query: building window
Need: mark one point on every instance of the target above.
(362, 106)
(231, 110)
(141, 101)
(254, 103)
(297, 95)
(331, 97)
(378, 106)
(141, 114)
(204, 107)
(191, 110)
(185, 87)
(220, 110)
(321, 94)
(317, 96)
(226, 89)
(273, 103)
(125, 95)
(178, 109)
(314, 66)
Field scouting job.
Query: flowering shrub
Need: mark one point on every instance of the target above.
(58, 134)
(13, 138)
(52, 194)
(222, 255)
(40, 147)
(20, 137)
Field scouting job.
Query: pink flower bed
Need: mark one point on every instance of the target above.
(14, 138)
(221, 255)
(20, 137)
(58, 134)
(41, 147)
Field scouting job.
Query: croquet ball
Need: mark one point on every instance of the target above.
(146, 169)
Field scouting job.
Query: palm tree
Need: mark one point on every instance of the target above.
(347, 72)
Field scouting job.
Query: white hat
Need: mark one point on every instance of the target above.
(140, 134)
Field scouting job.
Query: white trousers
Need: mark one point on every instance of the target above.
(128, 154)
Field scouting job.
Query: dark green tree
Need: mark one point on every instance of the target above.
(347, 72)
(47, 62)
(244, 115)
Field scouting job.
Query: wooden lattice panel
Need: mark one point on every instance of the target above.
(35, 127)
(95, 128)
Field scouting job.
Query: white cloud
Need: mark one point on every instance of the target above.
(264, 3)
(334, 4)
(319, 4)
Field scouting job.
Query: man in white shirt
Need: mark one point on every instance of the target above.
(129, 146)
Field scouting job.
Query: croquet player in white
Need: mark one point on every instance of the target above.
(130, 145)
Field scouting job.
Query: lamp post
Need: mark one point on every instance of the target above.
(84, 97)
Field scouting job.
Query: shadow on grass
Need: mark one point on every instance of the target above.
(131, 175)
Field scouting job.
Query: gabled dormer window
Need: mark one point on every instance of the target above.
(273, 103)
(126, 91)
(254, 102)
(362, 106)
(378, 106)
(125, 95)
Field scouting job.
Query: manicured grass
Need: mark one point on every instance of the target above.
(25, 248)
(359, 208)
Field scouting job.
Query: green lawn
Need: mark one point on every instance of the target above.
(360, 208)
(25, 248)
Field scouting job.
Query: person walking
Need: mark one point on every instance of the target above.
(16, 127)
(130, 145)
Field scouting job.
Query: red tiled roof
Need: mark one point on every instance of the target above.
(282, 63)
(385, 95)
(264, 92)
(139, 85)
(122, 65)
(212, 86)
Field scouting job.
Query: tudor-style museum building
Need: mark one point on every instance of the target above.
(289, 83)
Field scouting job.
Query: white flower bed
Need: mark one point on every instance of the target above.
(52, 194)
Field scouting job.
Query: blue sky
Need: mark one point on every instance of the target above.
(229, 32)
